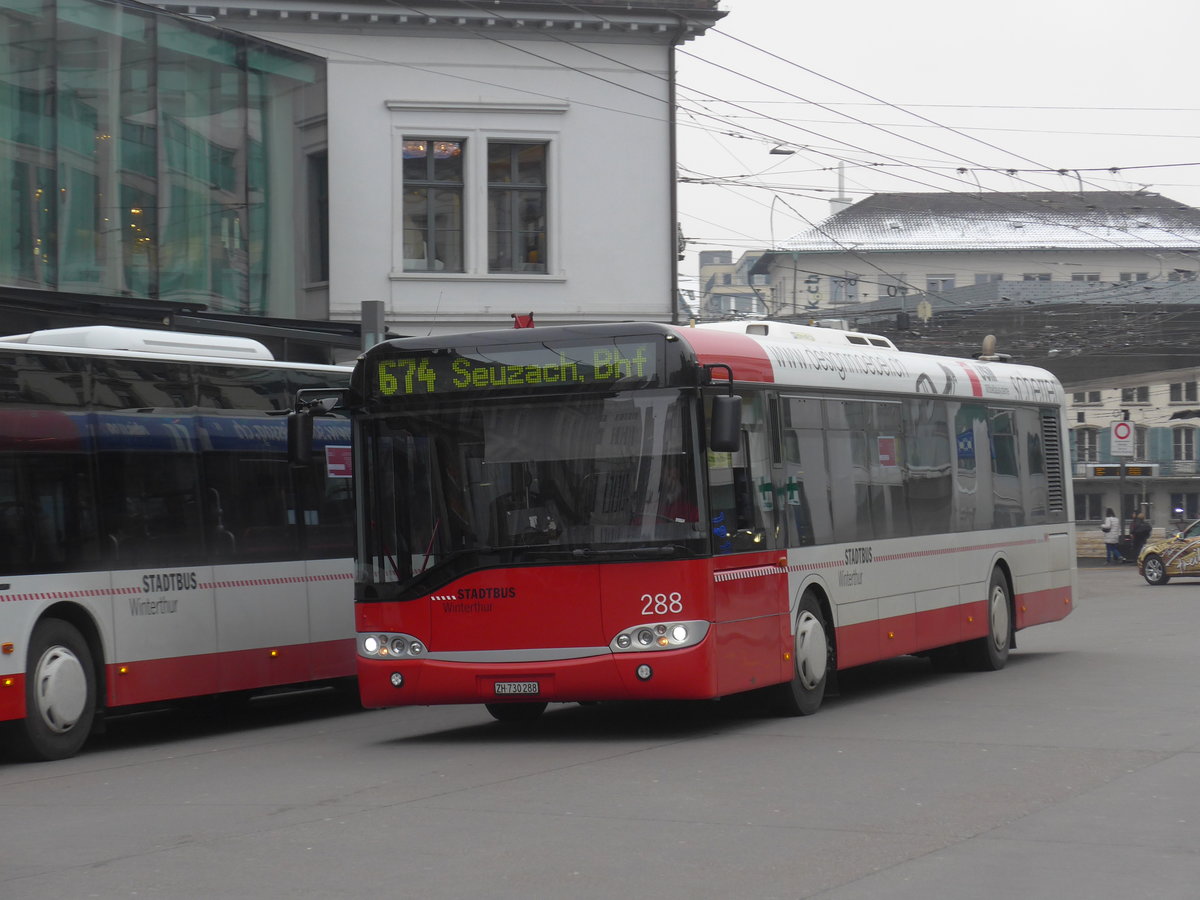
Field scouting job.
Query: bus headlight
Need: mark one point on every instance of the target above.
(659, 636)
(389, 646)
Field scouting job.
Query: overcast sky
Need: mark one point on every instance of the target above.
(1025, 85)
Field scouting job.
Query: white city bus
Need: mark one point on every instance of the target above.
(155, 543)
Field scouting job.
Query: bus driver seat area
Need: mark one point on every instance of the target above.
(523, 516)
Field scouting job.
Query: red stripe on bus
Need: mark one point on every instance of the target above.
(149, 680)
(1036, 607)
(973, 377)
(155, 680)
(12, 697)
(881, 639)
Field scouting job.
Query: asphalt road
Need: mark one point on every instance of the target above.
(1074, 772)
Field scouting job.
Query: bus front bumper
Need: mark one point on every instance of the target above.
(685, 674)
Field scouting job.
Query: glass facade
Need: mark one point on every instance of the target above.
(145, 155)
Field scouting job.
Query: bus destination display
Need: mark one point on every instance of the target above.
(631, 363)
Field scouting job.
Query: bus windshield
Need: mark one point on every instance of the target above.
(469, 483)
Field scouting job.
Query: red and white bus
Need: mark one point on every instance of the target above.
(639, 511)
(156, 543)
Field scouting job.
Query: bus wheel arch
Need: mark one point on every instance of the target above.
(62, 686)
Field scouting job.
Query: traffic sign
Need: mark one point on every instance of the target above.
(1122, 439)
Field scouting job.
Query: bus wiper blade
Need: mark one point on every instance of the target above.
(657, 550)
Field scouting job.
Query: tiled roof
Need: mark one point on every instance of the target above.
(1092, 220)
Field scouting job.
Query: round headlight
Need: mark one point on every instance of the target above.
(416, 648)
(371, 644)
(645, 637)
(679, 634)
(623, 641)
(399, 645)
(644, 672)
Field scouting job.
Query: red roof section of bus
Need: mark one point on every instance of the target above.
(743, 354)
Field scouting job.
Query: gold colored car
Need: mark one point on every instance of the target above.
(1166, 558)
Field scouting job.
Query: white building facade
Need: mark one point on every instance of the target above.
(486, 160)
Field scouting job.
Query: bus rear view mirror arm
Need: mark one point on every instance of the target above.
(310, 402)
(726, 425)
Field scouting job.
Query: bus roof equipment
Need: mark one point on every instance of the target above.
(146, 340)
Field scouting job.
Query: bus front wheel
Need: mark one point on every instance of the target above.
(60, 693)
(812, 653)
(518, 713)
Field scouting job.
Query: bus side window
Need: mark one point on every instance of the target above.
(805, 473)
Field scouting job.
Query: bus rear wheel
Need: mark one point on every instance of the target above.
(518, 713)
(990, 652)
(812, 653)
(60, 693)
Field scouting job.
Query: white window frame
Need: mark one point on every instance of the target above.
(1183, 443)
(446, 121)
(1087, 443)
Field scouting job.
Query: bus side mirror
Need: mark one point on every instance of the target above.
(300, 437)
(726, 427)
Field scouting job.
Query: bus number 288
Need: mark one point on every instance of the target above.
(662, 604)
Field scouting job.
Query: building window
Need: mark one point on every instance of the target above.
(433, 205)
(1085, 276)
(987, 277)
(1085, 397)
(1140, 436)
(1135, 394)
(1183, 392)
(1135, 276)
(1036, 276)
(1183, 444)
(516, 207)
(845, 289)
(1181, 275)
(1185, 507)
(936, 284)
(1089, 507)
(1087, 443)
(318, 227)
